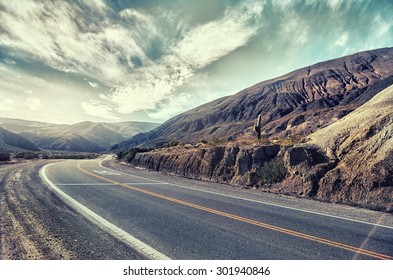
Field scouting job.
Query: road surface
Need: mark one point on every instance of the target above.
(182, 220)
(35, 223)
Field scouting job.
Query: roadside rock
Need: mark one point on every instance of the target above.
(306, 165)
(225, 164)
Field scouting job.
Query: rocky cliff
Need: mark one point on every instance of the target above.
(226, 164)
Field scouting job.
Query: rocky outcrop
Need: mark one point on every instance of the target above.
(305, 165)
(226, 164)
(297, 103)
(349, 161)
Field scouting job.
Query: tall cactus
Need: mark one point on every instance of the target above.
(258, 127)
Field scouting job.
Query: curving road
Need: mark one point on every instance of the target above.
(168, 217)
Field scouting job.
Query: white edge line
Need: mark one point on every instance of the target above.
(112, 229)
(256, 201)
(106, 184)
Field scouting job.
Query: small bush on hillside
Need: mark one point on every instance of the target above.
(215, 141)
(273, 171)
(175, 143)
(129, 155)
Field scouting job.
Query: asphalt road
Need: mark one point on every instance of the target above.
(168, 220)
(35, 223)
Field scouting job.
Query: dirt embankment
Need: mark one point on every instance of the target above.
(36, 224)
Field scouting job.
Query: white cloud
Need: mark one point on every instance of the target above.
(98, 109)
(342, 41)
(113, 52)
(379, 33)
(171, 107)
(9, 61)
(334, 4)
(94, 85)
(150, 86)
(381, 27)
(295, 29)
(33, 102)
(7, 105)
(213, 40)
(60, 35)
(284, 4)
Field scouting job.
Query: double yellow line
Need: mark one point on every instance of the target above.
(246, 220)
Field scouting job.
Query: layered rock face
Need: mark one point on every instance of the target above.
(226, 164)
(350, 160)
(298, 103)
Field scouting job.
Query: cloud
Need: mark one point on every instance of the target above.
(32, 101)
(98, 109)
(9, 61)
(206, 43)
(69, 38)
(94, 85)
(334, 4)
(198, 47)
(171, 107)
(342, 41)
(7, 105)
(121, 52)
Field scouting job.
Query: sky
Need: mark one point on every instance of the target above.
(146, 60)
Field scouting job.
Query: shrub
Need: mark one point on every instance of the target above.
(30, 156)
(45, 156)
(5, 156)
(215, 141)
(175, 143)
(273, 171)
(120, 154)
(130, 154)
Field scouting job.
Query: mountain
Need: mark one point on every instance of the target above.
(13, 142)
(80, 137)
(295, 104)
(63, 142)
(18, 125)
(98, 133)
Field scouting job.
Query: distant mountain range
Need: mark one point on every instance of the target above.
(13, 142)
(80, 137)
(295, 104)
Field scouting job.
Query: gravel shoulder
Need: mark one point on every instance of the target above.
(341, 210)
(36, 224)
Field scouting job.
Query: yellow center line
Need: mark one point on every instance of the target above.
(247, 220)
